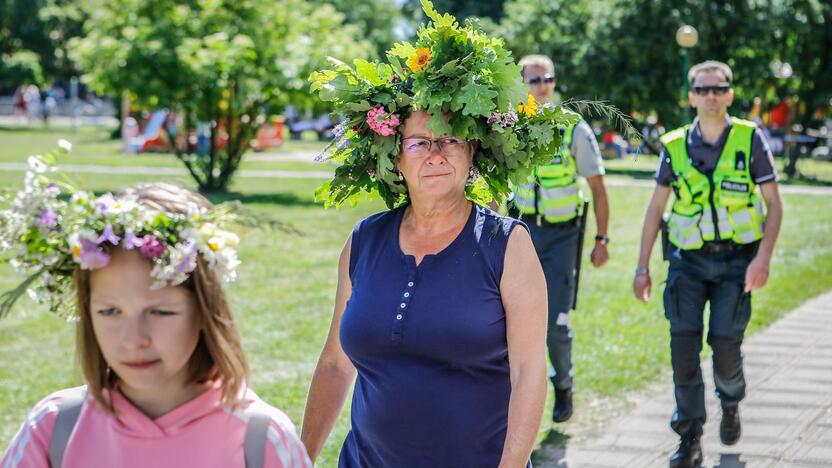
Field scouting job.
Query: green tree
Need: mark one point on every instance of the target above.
(227, 64)
(804, 41)
(461, 9)
(376, 20)
(625, 51)
(558, 29)
(33, 38)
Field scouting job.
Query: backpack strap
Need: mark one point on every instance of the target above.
(68, 411)
(254, 446)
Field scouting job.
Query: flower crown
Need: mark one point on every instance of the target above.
(466, 81)
(51, 228)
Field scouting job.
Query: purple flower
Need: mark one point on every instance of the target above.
(131, 241)
(339, 130)
(188, 262)
(101, 208)
(107, 236)
(47, 219)
(505, 119)
(151, 247)
(90, 256)
(344, 144)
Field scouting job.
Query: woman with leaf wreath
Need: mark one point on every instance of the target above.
(441, 303)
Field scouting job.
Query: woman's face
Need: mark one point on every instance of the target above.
(433, 166)
(146, 336)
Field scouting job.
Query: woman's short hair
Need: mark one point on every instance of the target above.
(537, 60)
(218, 355)
(709, 66)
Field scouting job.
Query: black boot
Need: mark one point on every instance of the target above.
(730, 427)
(563, 405)
(689, 453)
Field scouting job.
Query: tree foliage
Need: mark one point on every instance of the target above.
(228, 64)
(33, 40)
(461, 9)
(625, 50)
(375, 20)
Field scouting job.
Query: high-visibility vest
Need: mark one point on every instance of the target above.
(727, 195)
(552, 191)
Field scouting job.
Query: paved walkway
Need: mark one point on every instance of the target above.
(787, 415)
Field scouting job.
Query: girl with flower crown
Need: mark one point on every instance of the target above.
(165, 374)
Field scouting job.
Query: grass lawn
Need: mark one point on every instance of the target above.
(283, 298)
(93, 146)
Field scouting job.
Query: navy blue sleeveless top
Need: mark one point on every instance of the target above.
(429, 344)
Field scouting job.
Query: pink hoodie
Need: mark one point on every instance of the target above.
(201, 432)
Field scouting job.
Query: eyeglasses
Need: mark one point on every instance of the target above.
(717, 90)
(420, 147)
(547, 78)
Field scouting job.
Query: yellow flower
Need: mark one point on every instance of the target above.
(419, 60)
(529, 109)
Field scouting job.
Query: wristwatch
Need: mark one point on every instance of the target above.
(602, 239)
(642, 271)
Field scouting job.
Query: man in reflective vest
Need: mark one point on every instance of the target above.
(721, 236)
(549, 204)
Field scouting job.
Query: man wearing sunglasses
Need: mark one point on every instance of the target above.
(550, 205)
(722, 233)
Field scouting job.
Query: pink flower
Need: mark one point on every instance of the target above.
(151, 247)
(382, 122)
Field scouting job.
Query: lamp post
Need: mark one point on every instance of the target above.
(686, 37)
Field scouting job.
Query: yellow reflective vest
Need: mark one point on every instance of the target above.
(719, 206)
(552, 191)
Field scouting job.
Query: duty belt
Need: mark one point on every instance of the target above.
(726, 246)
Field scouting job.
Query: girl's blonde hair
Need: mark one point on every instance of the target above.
(218, 355)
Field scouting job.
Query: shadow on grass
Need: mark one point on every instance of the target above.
(26, 129)
(806, 179)
(634, 173)
(89, 134)
(283, 199)
(552, 450)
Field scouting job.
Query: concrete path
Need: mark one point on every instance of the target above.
(787, 415)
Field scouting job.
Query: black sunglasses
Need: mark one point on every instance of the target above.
(717, 90)
(547, 78)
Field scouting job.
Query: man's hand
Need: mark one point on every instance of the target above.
(642, 287)
(757, 274)
(599, 255)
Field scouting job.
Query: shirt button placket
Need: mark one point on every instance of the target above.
(402, 310)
